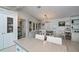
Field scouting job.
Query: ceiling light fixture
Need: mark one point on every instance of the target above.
(38, 6)
(45, 16)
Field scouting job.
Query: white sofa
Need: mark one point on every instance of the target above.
(51, 39)
(55, 40)
(39, 36)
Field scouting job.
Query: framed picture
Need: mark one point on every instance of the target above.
(61, 23)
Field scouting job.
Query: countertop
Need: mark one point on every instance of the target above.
(35, 45)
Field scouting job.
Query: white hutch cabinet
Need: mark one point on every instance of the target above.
(8, 28)
(75, 28)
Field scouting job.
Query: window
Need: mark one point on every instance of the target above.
(33, 26)
(36, 26)
(30, 26)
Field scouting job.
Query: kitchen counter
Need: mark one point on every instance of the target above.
(35, 45)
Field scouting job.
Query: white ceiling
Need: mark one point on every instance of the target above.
(50, 11)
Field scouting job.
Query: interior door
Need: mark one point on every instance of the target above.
(1, 42)
(2, 24)
(2, 30)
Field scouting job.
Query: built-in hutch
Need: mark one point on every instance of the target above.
(8, 28)
(75, 28)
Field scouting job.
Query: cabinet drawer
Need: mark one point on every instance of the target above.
(75, 37)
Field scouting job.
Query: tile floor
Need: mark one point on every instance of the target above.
(71, 47)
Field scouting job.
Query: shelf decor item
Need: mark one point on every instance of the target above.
(61, 23)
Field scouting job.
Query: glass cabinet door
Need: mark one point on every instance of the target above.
(9, 24)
